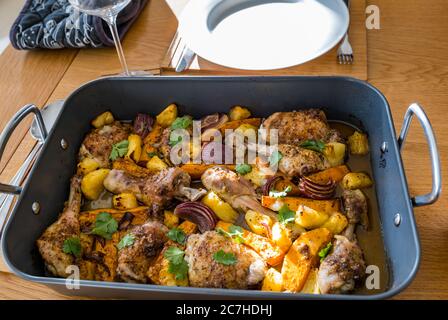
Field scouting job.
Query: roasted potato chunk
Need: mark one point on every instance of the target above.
(125, 201)
(259, 223)
(156, 164)
(336, 223)
(272, 281)
(167, 116)
(335, 153)
(221, 208)
(239, 113)
(356, 180)
(92, 183)
(87, 165)
(358, 143)
(310, 218)
(103, 119)
(280, 236)
(134, 147)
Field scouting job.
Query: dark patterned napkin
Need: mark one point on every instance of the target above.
(55, 24)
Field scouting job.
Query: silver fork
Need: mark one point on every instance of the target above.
(345, 51)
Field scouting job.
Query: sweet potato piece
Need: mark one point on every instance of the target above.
(153, 138)
(131, 168)
(302, 257)
(140, 215)
(272, 281)
(269, 251)
(256, 122)
(335, 174)
(293, 203)
(195, 170)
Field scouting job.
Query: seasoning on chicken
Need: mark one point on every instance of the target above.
(343, 268)
(51, 243)
(298, 161)
(134, 260)
(356, 209)
(298, 126)
(234, 189)
(155, 190)
(204, 271)
(98, 143)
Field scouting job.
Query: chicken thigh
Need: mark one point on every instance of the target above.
(134, 261)
(51, 243)
(205, 271)
(298, 161)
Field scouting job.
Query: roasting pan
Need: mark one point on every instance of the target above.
(344, 99)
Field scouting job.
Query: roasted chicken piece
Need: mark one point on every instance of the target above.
(298, 161)
(134, 261)
(343, 268)
(298, 126)
(234, 189)
(51, 243)
(356, 210)
(154, 190)
(98, 143)
(205, 271)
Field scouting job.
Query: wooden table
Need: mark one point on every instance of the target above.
(408, 61)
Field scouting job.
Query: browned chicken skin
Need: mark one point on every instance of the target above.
(134, 261)
(98, 143)
(298, 161)
(234, 189)
(298, 126)
(204, 271)
(155, 190)
(343, 268)
(356, 210)
(51, 242)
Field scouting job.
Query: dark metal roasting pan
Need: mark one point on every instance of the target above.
(344, 99)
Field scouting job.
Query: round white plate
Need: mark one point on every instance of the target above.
(262, 34)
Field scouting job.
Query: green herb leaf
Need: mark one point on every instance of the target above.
(243, 168)
(119, 150)
(275, 158)
(225, 258)
(325, 251)
(177, 235)
(285, 215)
(182, 123)
(174, 255)
(280, 194)
(173, 141)
(72, 246)
(152, 154)
(105, 225)
(235, 233)
(126, 241)
(315, 145)
(177, 264)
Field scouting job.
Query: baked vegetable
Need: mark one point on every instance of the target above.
(221, 208)
(167, 116)
(239, 113)
(356, 180)
(134, 147)
(256, 122)
(293, 203)
(336, 223)
(310, 218)
(259, 223)
(272, 281)
(170, 219)
(280, 236)
(125, 201)
(302, 257)
(92, 183)
(103, 119)
(156, 164)
(130, 167)
(358, 143)
(87, 165)
(335, 153)
(311, 286)
(335, 174)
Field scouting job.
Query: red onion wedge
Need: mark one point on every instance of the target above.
(314, 190)
(197, 213)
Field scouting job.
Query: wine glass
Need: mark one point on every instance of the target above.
(108, 11)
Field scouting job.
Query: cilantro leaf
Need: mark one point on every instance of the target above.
(152, 154)
(177, 235)
(126, 241)
(325, 251)
(315, 145)
(275, 158)
(182, 123)
(225, 258)
(105, 225)
(177, 264)
(280, 194)
(243, 168)
(235, 233)
(72, 246)
(173, 141)
(285, 215)
(119, 150)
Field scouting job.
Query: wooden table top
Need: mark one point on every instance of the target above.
(407, 61)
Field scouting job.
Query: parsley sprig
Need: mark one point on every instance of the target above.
(126, 241)
(285, 215)
(177, 235)
(119, 150)
(225, 258)
(177, 264)
(72, 246)
(325, 251)
(315, 145)
(243, 168)
(234, 232)
(280, 194)
(275, 158)
(105, 225)
(182, 122)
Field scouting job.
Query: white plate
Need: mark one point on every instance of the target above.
(263, 34)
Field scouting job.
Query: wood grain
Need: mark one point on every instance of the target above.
(408, 62)
(323, 66)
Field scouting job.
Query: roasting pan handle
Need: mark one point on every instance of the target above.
(9, 129)
(417, 110)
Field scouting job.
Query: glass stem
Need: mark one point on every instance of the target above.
(112, 22)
